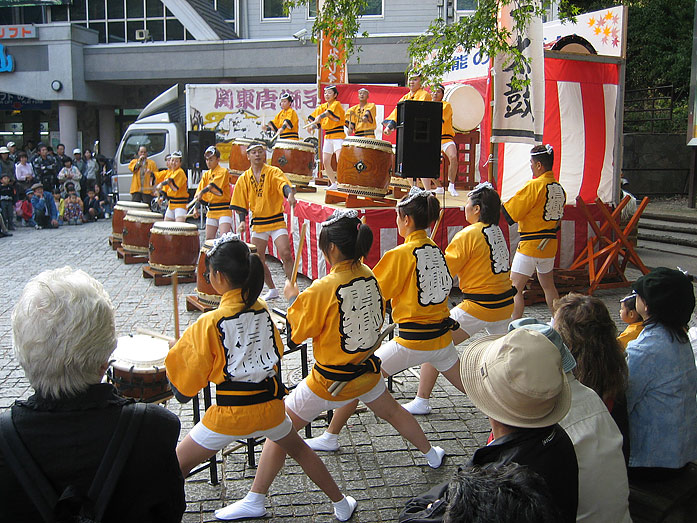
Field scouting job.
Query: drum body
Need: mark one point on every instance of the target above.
(173, 247)
(468, 106)
(238, 155)
(136, 231)
(204, 291)
(137, 368)
(365, 166)
(120, 210)
(296, 159)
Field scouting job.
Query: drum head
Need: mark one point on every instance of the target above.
(173, 228)
(468, 106)
(140, 352)
(294, 144)
(143, 216)
(127, 206)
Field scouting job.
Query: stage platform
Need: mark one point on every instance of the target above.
(311, 208)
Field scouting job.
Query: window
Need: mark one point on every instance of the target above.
(467, 5)
(374, 8)
(226, 8)
(154, 141)
(273, 9)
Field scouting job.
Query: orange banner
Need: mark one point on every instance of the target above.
(332, 71)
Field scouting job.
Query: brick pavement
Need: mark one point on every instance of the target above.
(375, 464)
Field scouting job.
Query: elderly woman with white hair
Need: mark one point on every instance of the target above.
(63, 335)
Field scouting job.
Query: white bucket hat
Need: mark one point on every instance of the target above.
(517, 379)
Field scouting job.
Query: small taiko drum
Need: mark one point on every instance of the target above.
(296, 159)
(137, 368)
(136, 231)
(204, 290)
(365, 166)
(239, 162)
(173, 247)
(120, 210)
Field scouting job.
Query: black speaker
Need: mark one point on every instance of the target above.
(198, 142)
(418, 139)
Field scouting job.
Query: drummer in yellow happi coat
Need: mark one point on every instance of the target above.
(330, 116)
(286, 120)
(416, 92)
(360, 119)
(175, 186)
(214, 190)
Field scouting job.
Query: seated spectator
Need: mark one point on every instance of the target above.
(630, 316)
(73, 210)
(68, 423)
(45, 211)
(503, 493)
(24, 210)
(103, 200)
(8, 198)
(60, 205)
(661, 396)
(603, 489)
(69, 173)
(24, 172)
(92, 206)
(7, 166)
(4, 233)
(586, 327)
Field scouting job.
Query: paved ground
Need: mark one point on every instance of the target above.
(375, 465)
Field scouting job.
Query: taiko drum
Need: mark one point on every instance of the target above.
(120, 210)
(296, 159)
(136, 231)
(238, 155)
(174, 246)
(365, 166)
(204, 290)
(137, 368)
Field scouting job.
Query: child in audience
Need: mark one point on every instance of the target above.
(93, 207)
(629, 315)
(8, 197)
(73, 210)
(60, 205)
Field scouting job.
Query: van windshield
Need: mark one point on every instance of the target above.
(153, 140)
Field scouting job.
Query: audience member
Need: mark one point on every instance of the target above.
(60, 155)
(60, 205)
(13, 151)
(104, 201)
(603, 490)
(45, 168)
(69, 173)
(8, 198)
(68, 423)
(45, 212)
(661, 396)
(92, 205)
(586, 327)
(91, 173)
(24, 173)
(630, 316)
(24, 210)
(73, 209)
(7, 166)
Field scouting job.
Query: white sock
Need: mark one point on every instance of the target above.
(452, 190)
(250, 506)
(343, 510)
(435, 457)
(418, 406)
(326, 441)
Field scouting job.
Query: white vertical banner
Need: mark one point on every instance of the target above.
(519, 112)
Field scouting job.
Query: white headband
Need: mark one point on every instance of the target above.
(414, 192)
(339, 214)
(480, 187)
(549, 150)
(225, 238)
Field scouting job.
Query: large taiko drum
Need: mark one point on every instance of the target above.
(137, 368)
(296, 159)
(365, 166)
(173, 247)
(468, 106)
(239, 162)
(204, 290)
(136, 231)
(120, 210)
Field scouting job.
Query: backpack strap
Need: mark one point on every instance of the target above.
(35, 484)
(115, 457)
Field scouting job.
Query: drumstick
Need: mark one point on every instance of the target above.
(313, 122)
(298, 253)
(336, 387)
(153, 334)
(437, 224)
(175, 304)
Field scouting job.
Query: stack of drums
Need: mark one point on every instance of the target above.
(296, 159)
(174, 246)
(137, 368)
(120, 210)
(365, 166)
(136, 231)
(238, 155)
(205, 292)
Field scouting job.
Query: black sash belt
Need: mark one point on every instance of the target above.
(286, 136)
(223, 206)
(263, 391)
(370, 133)
(422, 331)
(350, 371)
(485, 300)
(539, 235)
(265, 220)
(334, 131)
(179, 200)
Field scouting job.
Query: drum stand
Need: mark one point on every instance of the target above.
(194, 304)
(166, 279)
(130, 258)
(353, 201)
(115, 243)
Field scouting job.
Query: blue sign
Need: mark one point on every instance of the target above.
(7, 63)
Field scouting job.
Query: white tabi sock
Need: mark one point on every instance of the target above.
(418, 406)
(343, 510)
(327, 442)
(250, 506)
(435, 457)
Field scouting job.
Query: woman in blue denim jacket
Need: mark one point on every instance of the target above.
(662, 391)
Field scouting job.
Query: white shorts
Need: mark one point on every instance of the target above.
(472, 325)
(307, 405)
(445, 145)
(215, 441)
(274, 235)
(524, 264)
(332, 145)
(395, 357)
(175, 213)
(215, 222)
